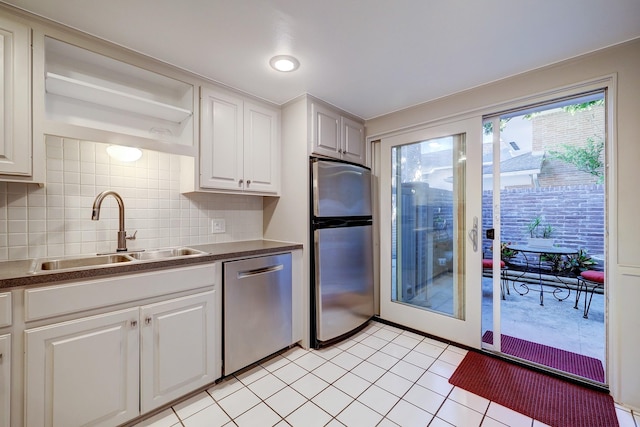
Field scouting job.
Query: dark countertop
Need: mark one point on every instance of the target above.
(17, 273)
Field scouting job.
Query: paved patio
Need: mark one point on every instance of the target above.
(556, 324)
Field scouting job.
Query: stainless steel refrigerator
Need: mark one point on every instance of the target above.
(342, 252)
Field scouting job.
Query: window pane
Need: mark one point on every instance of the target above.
(427, 211)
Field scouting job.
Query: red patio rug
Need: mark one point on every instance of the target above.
(548, 399)
(566, 361)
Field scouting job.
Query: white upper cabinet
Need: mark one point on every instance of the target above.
(92, 96)
(239, 146)
(335, 135)
(326, 131)
(261, 148)
(15, 102)
(353, 143)
(221, 150)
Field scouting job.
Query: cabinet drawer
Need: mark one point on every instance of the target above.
(44, 302)
(5, 309)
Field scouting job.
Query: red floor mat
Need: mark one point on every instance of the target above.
(545, 398)
(563, 360)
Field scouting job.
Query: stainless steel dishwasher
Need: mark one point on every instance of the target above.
(257, 309)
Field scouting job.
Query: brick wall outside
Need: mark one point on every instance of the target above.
(575, 212)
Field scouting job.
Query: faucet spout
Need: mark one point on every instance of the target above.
(95, 216)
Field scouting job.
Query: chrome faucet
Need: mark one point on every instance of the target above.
(95, 215)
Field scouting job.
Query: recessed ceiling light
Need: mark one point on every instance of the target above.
(284, 63)
(124, 154)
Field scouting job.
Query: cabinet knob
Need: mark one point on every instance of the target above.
(248, 182)
(340, 150)
(147, 320)
(240, 182)
(134, 323)
(1, 357)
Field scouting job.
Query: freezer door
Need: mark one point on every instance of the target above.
(343, 280)
(340, 189)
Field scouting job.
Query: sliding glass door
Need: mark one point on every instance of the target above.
(430, 204)
(543, 235)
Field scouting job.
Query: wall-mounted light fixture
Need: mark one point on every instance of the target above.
(284, 63)
(124, 154)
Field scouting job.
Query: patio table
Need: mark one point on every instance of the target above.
(529, 268)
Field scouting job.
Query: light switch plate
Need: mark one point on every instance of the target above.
(217, 225)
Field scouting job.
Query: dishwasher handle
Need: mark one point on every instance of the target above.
(258, 271)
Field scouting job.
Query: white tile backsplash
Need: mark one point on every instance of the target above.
(55, 220)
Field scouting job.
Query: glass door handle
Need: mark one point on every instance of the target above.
(473, 234)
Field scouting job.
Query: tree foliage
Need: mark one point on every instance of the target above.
(587, 159)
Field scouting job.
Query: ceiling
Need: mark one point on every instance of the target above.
(369, 57)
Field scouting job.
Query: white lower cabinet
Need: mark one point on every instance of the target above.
(106, 369)
(5, 380)
(177, 348)
(83, 372)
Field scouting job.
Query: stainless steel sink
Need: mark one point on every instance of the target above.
(81, 262)
(105, 260)
(159, 254)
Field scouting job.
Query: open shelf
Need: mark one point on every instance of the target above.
(89, 92)
(95, 96)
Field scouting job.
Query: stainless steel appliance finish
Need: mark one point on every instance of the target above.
(342, 264)
(257, 309)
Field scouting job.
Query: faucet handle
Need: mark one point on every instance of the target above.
(132, 237)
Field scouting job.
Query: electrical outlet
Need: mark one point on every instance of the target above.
(217, 226)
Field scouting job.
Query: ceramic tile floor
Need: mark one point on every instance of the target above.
(382, 376)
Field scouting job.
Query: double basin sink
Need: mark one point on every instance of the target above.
(104, 260)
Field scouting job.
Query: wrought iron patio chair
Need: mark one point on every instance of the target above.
(588, 282)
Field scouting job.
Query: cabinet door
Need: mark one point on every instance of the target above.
(5, 380)
(353, 145)
(261, 149)
(178, 350)
(15, 107)
(83, 372)
(221, 152)
(325, 133)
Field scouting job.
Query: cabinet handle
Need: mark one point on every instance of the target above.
(147, 320)
(240, 182)
(248, 182)
(134, 323)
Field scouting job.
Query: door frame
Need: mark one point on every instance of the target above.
(465, 331)
(536, 91)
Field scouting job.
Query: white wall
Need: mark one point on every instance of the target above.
(55, 220)
(623, 286)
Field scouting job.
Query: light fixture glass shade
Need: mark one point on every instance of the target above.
(284, 63)
(124, 154)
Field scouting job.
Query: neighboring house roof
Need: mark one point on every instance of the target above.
(505, 153)
(525, 162)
